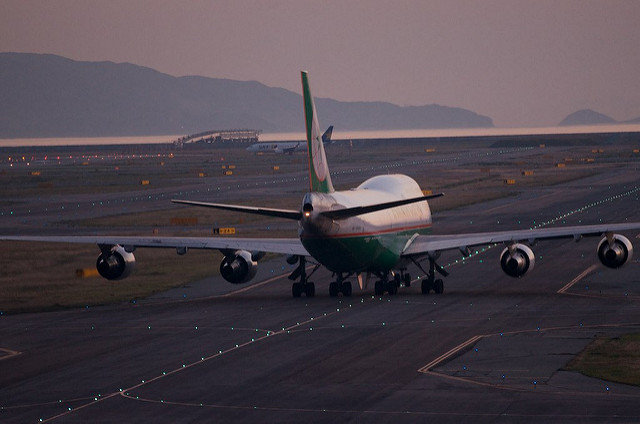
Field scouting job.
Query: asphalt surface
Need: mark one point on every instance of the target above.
(490, 349)
(52, 212)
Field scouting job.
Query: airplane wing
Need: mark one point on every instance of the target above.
(435, 243)
(289, 246)
(276, 213)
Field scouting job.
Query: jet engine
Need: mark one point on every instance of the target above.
(115, 263)
(240, 266)
(517, 259)
(615, 253)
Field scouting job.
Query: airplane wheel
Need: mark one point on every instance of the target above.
(425, 287)
(438, 286)
(346, 289)
(333, 289)
(379, 290)
(392, 288)
(296, 289)
(310, 289)
(407, 280)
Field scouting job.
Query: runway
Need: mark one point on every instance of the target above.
(490, 349)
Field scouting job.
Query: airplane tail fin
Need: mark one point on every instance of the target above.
(319, 178)
(326, 137)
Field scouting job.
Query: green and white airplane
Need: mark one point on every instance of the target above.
(375, 230)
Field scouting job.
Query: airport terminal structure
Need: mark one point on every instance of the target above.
(219, 137)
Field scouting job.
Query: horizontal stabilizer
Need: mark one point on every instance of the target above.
(360, 210)
(278, 213)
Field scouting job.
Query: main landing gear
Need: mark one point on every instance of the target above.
(304, 285)
(384, 284)
(431, 283)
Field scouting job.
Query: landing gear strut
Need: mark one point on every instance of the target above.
(304, 285)
(340, 286)
(431, 283)
(406, 277)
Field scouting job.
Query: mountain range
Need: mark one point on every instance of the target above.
(591, 117)
(51, 96)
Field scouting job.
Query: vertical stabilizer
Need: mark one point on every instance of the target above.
(319, 178)
(326, 137)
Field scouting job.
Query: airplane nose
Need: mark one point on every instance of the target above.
(307, 208)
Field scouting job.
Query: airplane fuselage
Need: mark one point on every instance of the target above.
(370, 242)
(286, 147)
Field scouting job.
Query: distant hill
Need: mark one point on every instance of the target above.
(52, 96)
(590, 117)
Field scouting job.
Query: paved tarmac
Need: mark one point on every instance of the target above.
(51, 213)
(490, 349)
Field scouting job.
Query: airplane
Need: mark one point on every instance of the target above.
(289, 147)
(376, 229)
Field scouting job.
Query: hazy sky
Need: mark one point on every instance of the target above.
(523, 63)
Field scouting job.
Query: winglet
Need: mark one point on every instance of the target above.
(319, 178)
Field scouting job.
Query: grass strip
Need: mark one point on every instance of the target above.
(614, 359)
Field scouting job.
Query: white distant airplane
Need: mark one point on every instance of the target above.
(376, 229)
(289, 147)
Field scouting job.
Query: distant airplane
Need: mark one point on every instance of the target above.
(288, 147)
(376, 229)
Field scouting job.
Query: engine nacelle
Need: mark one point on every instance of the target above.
(239, 267)
(616, 253)
(516, 260)
(115, 264)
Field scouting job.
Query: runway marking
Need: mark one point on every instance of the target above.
(253, 286)
(9, 354)
(451, 353)
(219, 296)
(428, 369)
(578, 278)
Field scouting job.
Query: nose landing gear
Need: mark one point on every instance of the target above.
(340, 286)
